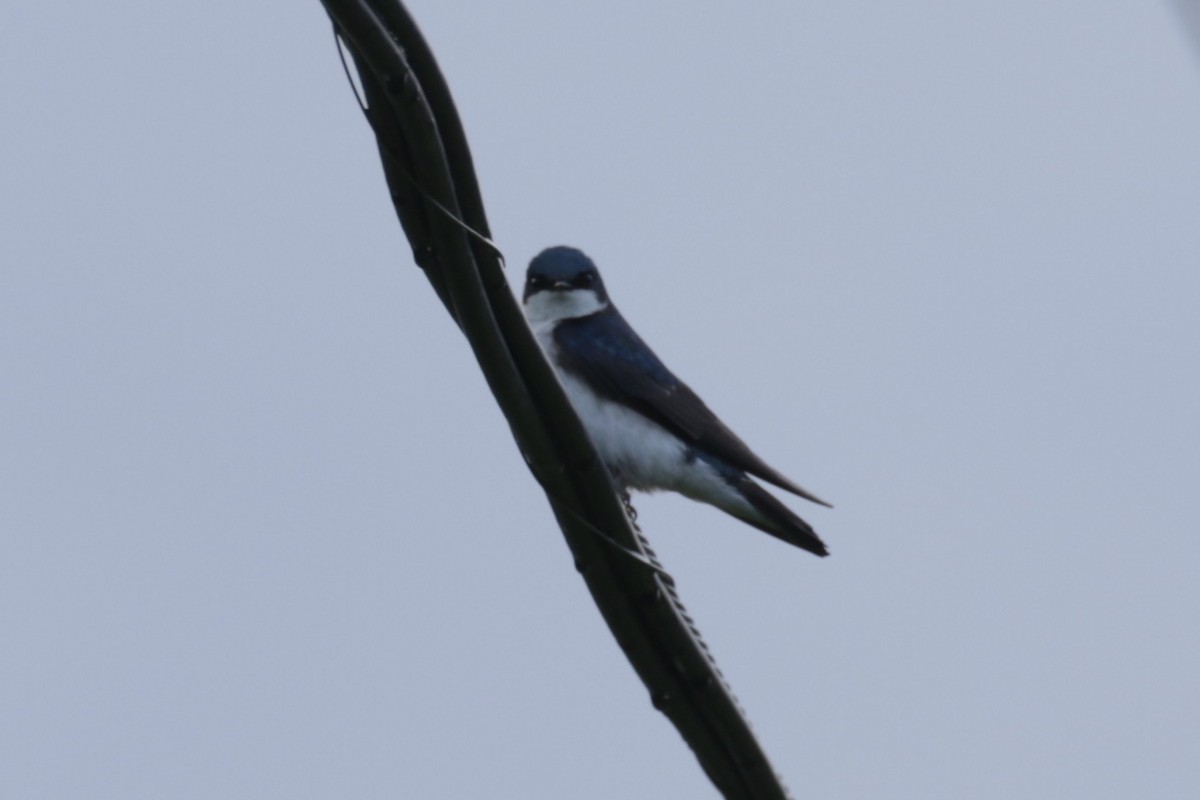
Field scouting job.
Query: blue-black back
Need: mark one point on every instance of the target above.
(605, 351)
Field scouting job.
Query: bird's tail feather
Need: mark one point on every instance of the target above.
(770, 515)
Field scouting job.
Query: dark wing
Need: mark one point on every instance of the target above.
(607, 353)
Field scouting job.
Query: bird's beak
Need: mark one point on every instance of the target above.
(560, 285)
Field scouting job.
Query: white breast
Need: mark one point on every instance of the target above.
(645, 455)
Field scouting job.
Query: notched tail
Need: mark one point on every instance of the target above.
(777, 519)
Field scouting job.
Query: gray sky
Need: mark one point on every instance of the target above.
(265, 533)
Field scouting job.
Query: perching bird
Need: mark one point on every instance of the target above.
(650, 429)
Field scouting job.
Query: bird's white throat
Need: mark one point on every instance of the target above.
(548, 307)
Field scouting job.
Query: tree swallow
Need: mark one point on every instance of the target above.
(649, 428)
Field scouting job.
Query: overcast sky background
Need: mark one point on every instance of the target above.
(265, 533)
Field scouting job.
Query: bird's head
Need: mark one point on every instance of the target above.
(562, 283)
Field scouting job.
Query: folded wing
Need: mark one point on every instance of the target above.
(604, 350)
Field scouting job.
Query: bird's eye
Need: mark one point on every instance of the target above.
(585, 279)
(538, 281)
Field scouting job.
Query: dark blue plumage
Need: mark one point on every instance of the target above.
(563, 268)
(604, 344)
